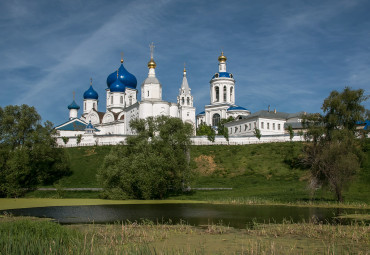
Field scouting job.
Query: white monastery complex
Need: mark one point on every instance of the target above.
(122, 105)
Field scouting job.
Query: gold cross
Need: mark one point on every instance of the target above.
(90, 81)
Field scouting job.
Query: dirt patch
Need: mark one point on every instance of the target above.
(206, 164)
(90, 152)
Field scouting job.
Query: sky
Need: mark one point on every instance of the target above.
(286, 54)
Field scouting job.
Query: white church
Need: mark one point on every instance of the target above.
(122, 105)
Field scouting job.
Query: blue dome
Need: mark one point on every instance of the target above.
(91, 93)
(117, 86)
(126, 78)
(223, 74)
(73, 105)
(236, 108)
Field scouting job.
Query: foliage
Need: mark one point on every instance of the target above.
(65, 139)
(28, 153)
(222, 130)
(333, 152)
(291, 132)
(257, 133)
(154, 162)
(78, 139)
(204, 129)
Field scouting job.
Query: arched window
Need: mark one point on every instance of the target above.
(231, 94)
(224, 93)
(182, 101)
(111, 100)
(215, 119)
(217, 92)
(188, 101)
(148, 93)
(121, 100)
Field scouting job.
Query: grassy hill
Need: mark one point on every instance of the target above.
(254, 172)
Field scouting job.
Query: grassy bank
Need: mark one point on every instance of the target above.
(35, 236)
(259, 172)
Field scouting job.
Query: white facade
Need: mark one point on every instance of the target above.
(122, 106)
(222, 97)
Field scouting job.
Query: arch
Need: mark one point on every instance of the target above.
(217, 92)
(216, 119)
(93, 117)
(108, 117)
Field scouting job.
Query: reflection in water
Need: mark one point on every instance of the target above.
(238, 216)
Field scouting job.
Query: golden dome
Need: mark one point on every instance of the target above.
(151, 63)
(222, 58)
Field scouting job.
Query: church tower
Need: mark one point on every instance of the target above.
(222, 88)
(73, 109)
(151, 89)
(90, 99)
(185, 102)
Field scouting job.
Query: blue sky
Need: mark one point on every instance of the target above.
(287, 54)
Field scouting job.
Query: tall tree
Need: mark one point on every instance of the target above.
(153, 163)
(28, 153)
(333, 152)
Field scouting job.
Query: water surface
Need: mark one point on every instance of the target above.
(238, 216)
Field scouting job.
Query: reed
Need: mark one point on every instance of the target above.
(40, 236)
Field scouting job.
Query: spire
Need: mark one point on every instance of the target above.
(184, 84)
(151, 63)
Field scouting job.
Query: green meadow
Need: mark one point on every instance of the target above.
(257, 173)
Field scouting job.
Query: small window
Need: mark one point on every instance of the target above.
(130, 100)
(273, 126)
(268, 125)
(240, 128)
(111, 99)
(224, 93)
(262, 125)
(148, 93)
(245, 127)
(188, 101)
(182, 100)
(236, 129)
(216, 75)
(217, 91)
(278, 126)
(250, 126)
(187, 114)
(254, 124)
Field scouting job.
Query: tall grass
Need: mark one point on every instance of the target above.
(35, 236)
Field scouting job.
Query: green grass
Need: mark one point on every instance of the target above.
(40, 236)
(260, 172)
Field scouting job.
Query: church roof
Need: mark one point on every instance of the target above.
(72, 125)
(91, 93)
(74, 105)
(184, 84)
(236, 108)
(201, 113)
(151, 80)
(126, 78)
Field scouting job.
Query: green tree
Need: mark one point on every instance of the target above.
(65, 139)
(257, 133)
(28, 153)
(153, 163)
(204, 129)
(291, 132)
(222, 130)
(78, 139)
(333, 152)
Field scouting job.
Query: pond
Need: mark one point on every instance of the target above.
(238, 216)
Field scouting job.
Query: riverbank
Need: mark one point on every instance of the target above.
(40, 236)
(18, 203)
